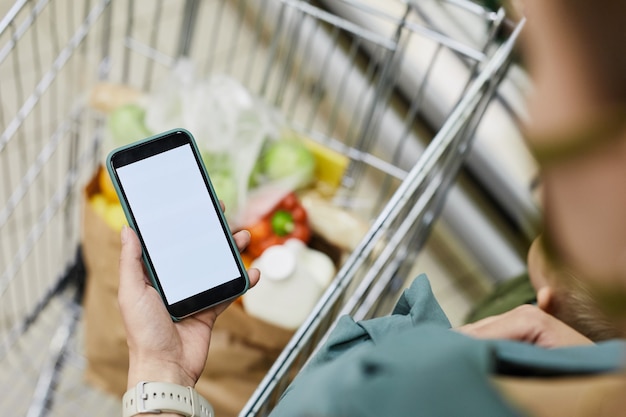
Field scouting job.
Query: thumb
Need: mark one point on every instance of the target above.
(132, 277)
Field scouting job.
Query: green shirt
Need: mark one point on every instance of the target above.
(411, 364)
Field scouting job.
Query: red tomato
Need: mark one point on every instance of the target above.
(289, 202)
(259, 247)
(302, 232)
(299, 214)
(260, 231)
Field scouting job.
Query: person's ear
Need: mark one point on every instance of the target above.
(538, 268)
(545, 297)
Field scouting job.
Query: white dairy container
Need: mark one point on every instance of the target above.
(293, 277)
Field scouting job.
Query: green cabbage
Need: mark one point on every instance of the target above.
(126, 124)
(220, 172)
(288, 159)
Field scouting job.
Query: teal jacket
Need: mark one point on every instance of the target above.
(411, 364)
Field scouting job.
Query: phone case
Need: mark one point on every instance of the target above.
(131, 223)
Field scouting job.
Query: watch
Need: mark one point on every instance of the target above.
(164, 397)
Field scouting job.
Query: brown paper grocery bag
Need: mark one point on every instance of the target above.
(242, 350)
(105, 339)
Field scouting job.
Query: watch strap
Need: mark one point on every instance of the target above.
(164, 397)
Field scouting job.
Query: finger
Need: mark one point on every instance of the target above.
(242, 239)
(254, 275)
(222, 206)
(132, 277)
(475, 327)
(520, 324)
(493, 327)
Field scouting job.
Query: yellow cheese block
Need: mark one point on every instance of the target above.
(330, 165)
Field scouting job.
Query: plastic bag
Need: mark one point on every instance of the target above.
(232, 128)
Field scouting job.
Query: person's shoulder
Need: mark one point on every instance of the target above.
(416, 306)
(411, 373)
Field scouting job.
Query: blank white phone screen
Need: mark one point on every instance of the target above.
(178, 223)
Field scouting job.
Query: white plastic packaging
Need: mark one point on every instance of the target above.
(293, 277)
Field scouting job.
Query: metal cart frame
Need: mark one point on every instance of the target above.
(335, 79)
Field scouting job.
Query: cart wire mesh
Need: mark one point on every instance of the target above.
(357, 76)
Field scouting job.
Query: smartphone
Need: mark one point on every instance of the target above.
(188, 248)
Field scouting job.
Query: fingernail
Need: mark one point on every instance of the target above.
(124, 234)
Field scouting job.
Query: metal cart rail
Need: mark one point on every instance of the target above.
(334, 79)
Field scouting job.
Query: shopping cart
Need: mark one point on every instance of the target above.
(358, 76)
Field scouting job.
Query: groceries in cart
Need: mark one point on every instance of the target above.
(274, 182)
(247, 146)
(260, 168)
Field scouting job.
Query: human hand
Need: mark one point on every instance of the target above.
(160, 349)
(526, 323)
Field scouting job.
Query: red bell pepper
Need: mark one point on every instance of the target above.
(287, 220)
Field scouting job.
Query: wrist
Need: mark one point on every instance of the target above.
(147, 370)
